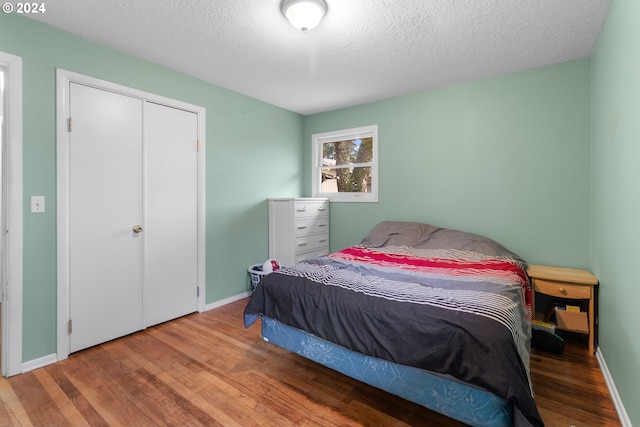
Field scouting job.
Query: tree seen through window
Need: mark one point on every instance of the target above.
(344, 161)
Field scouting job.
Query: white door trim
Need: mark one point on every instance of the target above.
(64, 78)
(12, 160)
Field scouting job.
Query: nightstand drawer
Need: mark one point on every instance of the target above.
(562, 289)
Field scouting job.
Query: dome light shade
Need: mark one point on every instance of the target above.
(304, 14)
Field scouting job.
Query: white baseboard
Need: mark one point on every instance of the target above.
(617, 402)
(226, 301)
(53, 358)
(39, 362)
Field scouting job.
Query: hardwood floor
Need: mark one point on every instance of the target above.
(207, 370)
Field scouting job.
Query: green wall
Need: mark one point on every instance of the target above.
(506, 157)
(253, 152)
(615, 196)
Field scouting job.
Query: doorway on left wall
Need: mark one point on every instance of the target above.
(11, 253)
(2, 192)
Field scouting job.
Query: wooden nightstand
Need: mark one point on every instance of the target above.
(568, 283)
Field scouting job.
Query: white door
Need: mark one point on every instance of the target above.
(171, 206)
(105, 202)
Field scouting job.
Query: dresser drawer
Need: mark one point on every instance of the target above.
(305, 209)
(562, 289)
(307, 243)
(310, 255)
(307, 226)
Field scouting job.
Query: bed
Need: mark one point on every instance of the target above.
(437, 316)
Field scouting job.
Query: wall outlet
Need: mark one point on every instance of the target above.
(37, 204)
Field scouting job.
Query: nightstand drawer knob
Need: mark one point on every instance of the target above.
(563, 291)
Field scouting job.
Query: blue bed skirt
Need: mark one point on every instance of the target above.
(471, 405)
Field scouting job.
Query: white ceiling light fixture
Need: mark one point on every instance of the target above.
(304, 14)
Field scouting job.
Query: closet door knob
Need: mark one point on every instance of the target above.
(137, 229)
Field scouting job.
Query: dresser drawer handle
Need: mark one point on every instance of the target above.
(301, 209)
(322, 241)
(302, 244)
(322, 209)
(302, 227)
(563, 291)
(322, 225)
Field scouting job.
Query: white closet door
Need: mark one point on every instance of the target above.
(171, 209)
(105, 202)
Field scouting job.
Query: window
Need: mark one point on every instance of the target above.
(345, 165)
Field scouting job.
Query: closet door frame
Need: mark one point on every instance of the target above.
(63, 79)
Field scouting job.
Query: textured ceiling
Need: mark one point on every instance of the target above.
(363, 50)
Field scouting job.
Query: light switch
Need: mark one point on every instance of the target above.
(37, 204)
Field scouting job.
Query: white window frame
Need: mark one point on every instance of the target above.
(317, 139)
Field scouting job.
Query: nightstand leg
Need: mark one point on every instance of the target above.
(533, 302)
(592, 332)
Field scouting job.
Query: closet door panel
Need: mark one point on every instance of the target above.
(171, 210)
(105, 203)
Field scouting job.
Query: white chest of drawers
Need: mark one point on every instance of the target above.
(298, 229)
